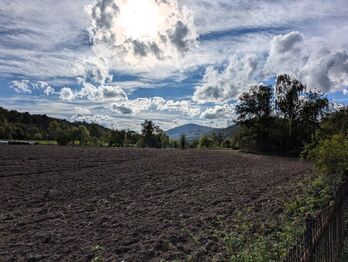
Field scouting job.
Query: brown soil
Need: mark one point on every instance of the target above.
(58, 203)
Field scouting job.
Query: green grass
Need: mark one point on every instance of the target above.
(46, 142)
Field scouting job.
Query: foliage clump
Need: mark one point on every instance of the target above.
(279, 121)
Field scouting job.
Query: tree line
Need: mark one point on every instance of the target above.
(292, 118)
(24, 126)
(285, 117)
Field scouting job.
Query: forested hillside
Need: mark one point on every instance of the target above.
(17, 125)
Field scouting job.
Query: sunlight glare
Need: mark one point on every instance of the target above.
(140, 19)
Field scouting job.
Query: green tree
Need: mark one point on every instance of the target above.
(74, 133)
(63, 137)
(132, 137)
(335, 123)
(3, 132)
(148, 129)
(33, 133)
(313, 109)
(254, 112)
(226, 143)
(195, 143)
(206, 142)
(255, 108)
(117, 138)
(175, 144)
(183, 142)
(54, 129)
(288, 91)
(164, 140)
(83, 135)
(255, 104)
(152, 135)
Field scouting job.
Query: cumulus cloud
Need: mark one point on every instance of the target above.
(95, 70)
(66, 94)
(121, 109)
(286, 54)
(131, 31)
(101, 93)
(289, 53)
(218, 112)
(327, 71)
(26, 86)
(103, 120)
(156, 104)
(219, 86)
(23, 86)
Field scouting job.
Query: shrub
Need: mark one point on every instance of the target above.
(331, 155)
(63, 138)
(206, 142)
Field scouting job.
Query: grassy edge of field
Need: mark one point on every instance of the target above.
(272, 241)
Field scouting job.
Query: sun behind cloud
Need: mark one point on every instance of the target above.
(140, 19)
(148, 31)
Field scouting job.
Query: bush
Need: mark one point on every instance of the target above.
(331, 155)
(206, 142)
(63, 138)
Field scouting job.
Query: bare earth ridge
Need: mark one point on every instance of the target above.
(58, 203)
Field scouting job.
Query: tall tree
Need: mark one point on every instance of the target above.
(288, 91)
(152, 135)
(183, 141)
(255, 108)
(117, 138)
(83, 135)
(313, 109)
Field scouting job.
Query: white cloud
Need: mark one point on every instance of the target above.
(45, 87)
(101, 93)
(26, 86)
(82, 111)
(140, 106)
(327, 71)
(23, 86)
(290, 53)
(67, 94)
(287, 54)
(40, 39)
(226, 14)
(131, 31)
(103, 120)
(237, 38)
(219, 86)
(121, 109)
(218, 112)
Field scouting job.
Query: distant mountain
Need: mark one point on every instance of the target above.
(193, 131)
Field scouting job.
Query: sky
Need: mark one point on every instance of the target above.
(118, 62)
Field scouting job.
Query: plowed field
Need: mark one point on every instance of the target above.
(59, 203)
